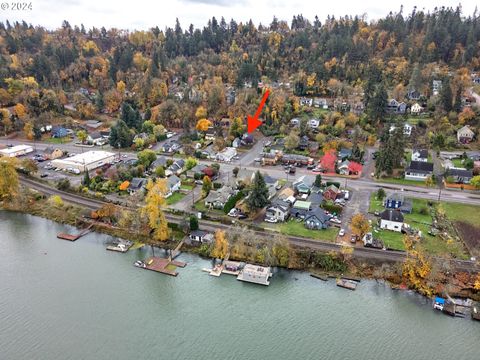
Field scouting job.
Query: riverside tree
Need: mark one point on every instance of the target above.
(154, 203)
(359, 225)
(220, 247)
(8, 178)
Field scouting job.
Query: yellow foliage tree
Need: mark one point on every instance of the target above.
(476, 286)
(8, 178)
(201, 113)
(359, 225)
(416, 267)
(220, 248)
(203, 124)
(121, 87)
(28, 130)
(56, 201)
(329, 146)
(154, 202)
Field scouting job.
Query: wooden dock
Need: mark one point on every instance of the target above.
(347, 284)
(322, 277)
(176, 252)
(162, 265)
(75, 237)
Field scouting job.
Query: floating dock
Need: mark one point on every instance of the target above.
(75, 237)
(322, 277)
(227, 267)
(121, 246)
(161, 265)
(255, 274)
(347, 284)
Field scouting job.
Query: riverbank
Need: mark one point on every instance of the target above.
(299, 258)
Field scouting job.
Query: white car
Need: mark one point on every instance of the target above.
(233, 212)
(270, 220)
(336, 221)
(341, 232)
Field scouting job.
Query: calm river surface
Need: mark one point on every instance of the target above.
(62, 300)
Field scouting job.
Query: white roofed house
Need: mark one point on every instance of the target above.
(227, 154)
(465, 135)
(313, 123)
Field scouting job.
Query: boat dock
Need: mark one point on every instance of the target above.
(75, 237)
(347, 284)
(227, 267)
(161, 265)
(322, 277)
(121, 246)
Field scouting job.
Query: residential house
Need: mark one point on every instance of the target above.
(303, 143)
(306, 101)
(227, 154)
(418, 170)
(320, 103)
(279, 211)
(247, 139)
(51, 153)
(407, 129)
(295, 122)
(316, 219)
(175, 168)
(465, 135)
(210, 134)
(413, 95)
(398, 201)
(304, 184)
(173, 185)
(93, 124)
(416, 109)
(343, 167)
(159, 161)
(201, 237)
(59, 132)
(300, 209)
(420, 155)
(316, 199)
(136, 185)
(271, 184)
(391, 220)
(197, 169)
(436, 86)
(236, 142)
(331, 193)
(313, 123)
(171, 147)
(395, 107)
(344, 154)
(97, 139)
(217, 199)
(287, 194)
(459, 176)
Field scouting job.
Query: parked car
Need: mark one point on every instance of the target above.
(270, 220)
(341, 232)
(233, 212)
(335, 220)
(346, 196)
(316, 170)
(354, 239)
(242, 216)
(43, 175)
(257, 160)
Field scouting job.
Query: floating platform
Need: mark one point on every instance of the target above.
(255, 274)
(121, 246)
(161, 265)
(75, 237)
(322, 277)
(347, 284)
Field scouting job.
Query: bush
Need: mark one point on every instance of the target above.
(337, 184)
(230, 204)
(63, 185)
(329, 262)
(424, 210)
(337, 209)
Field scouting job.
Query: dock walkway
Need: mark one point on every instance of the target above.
(75, 237)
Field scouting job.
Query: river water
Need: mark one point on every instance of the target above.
(63, 300)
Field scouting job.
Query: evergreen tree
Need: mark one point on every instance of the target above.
(258, 197)
(377, 107)
(446, 96)
(86, 179)
(318, 180)
(193, 223)
(120, 135)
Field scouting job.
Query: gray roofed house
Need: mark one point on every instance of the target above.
(197, 169)
(391, 220)
(159, 161)
(278, 211)
(344, 153)
(316, 219)
(420, 155)
(200, 236)
(460, 176)
(315, 198)
(177, 167)
(173, 184)
(218, 198)
(136, 185)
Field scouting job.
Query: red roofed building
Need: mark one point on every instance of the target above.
(355, 168)
(328, 161)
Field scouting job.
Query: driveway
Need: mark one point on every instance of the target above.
(359, 203)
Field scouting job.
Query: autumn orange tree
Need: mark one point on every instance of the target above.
(359, 225)
(203, 125)
(154, 203)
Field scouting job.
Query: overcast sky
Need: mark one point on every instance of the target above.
(144, 14)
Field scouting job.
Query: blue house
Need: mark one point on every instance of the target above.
(59, 132)
(398, 201)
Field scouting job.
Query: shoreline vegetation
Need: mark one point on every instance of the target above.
(419, 272)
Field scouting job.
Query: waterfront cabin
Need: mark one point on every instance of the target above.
(200, 237)
(255, 274)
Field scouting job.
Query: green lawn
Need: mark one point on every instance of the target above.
(186, 187)
(200, 206)
(401, 181)
(375, 204)
(64, 140)
(296, 228)
(457, 163)
(174, 198)
(462, 212)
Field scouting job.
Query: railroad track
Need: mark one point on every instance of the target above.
(360, 252)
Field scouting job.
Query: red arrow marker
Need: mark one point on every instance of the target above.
(253, 122)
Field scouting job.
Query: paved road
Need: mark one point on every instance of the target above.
(359, 252)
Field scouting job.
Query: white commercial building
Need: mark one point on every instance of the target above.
(18, 150)
(87, 161)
